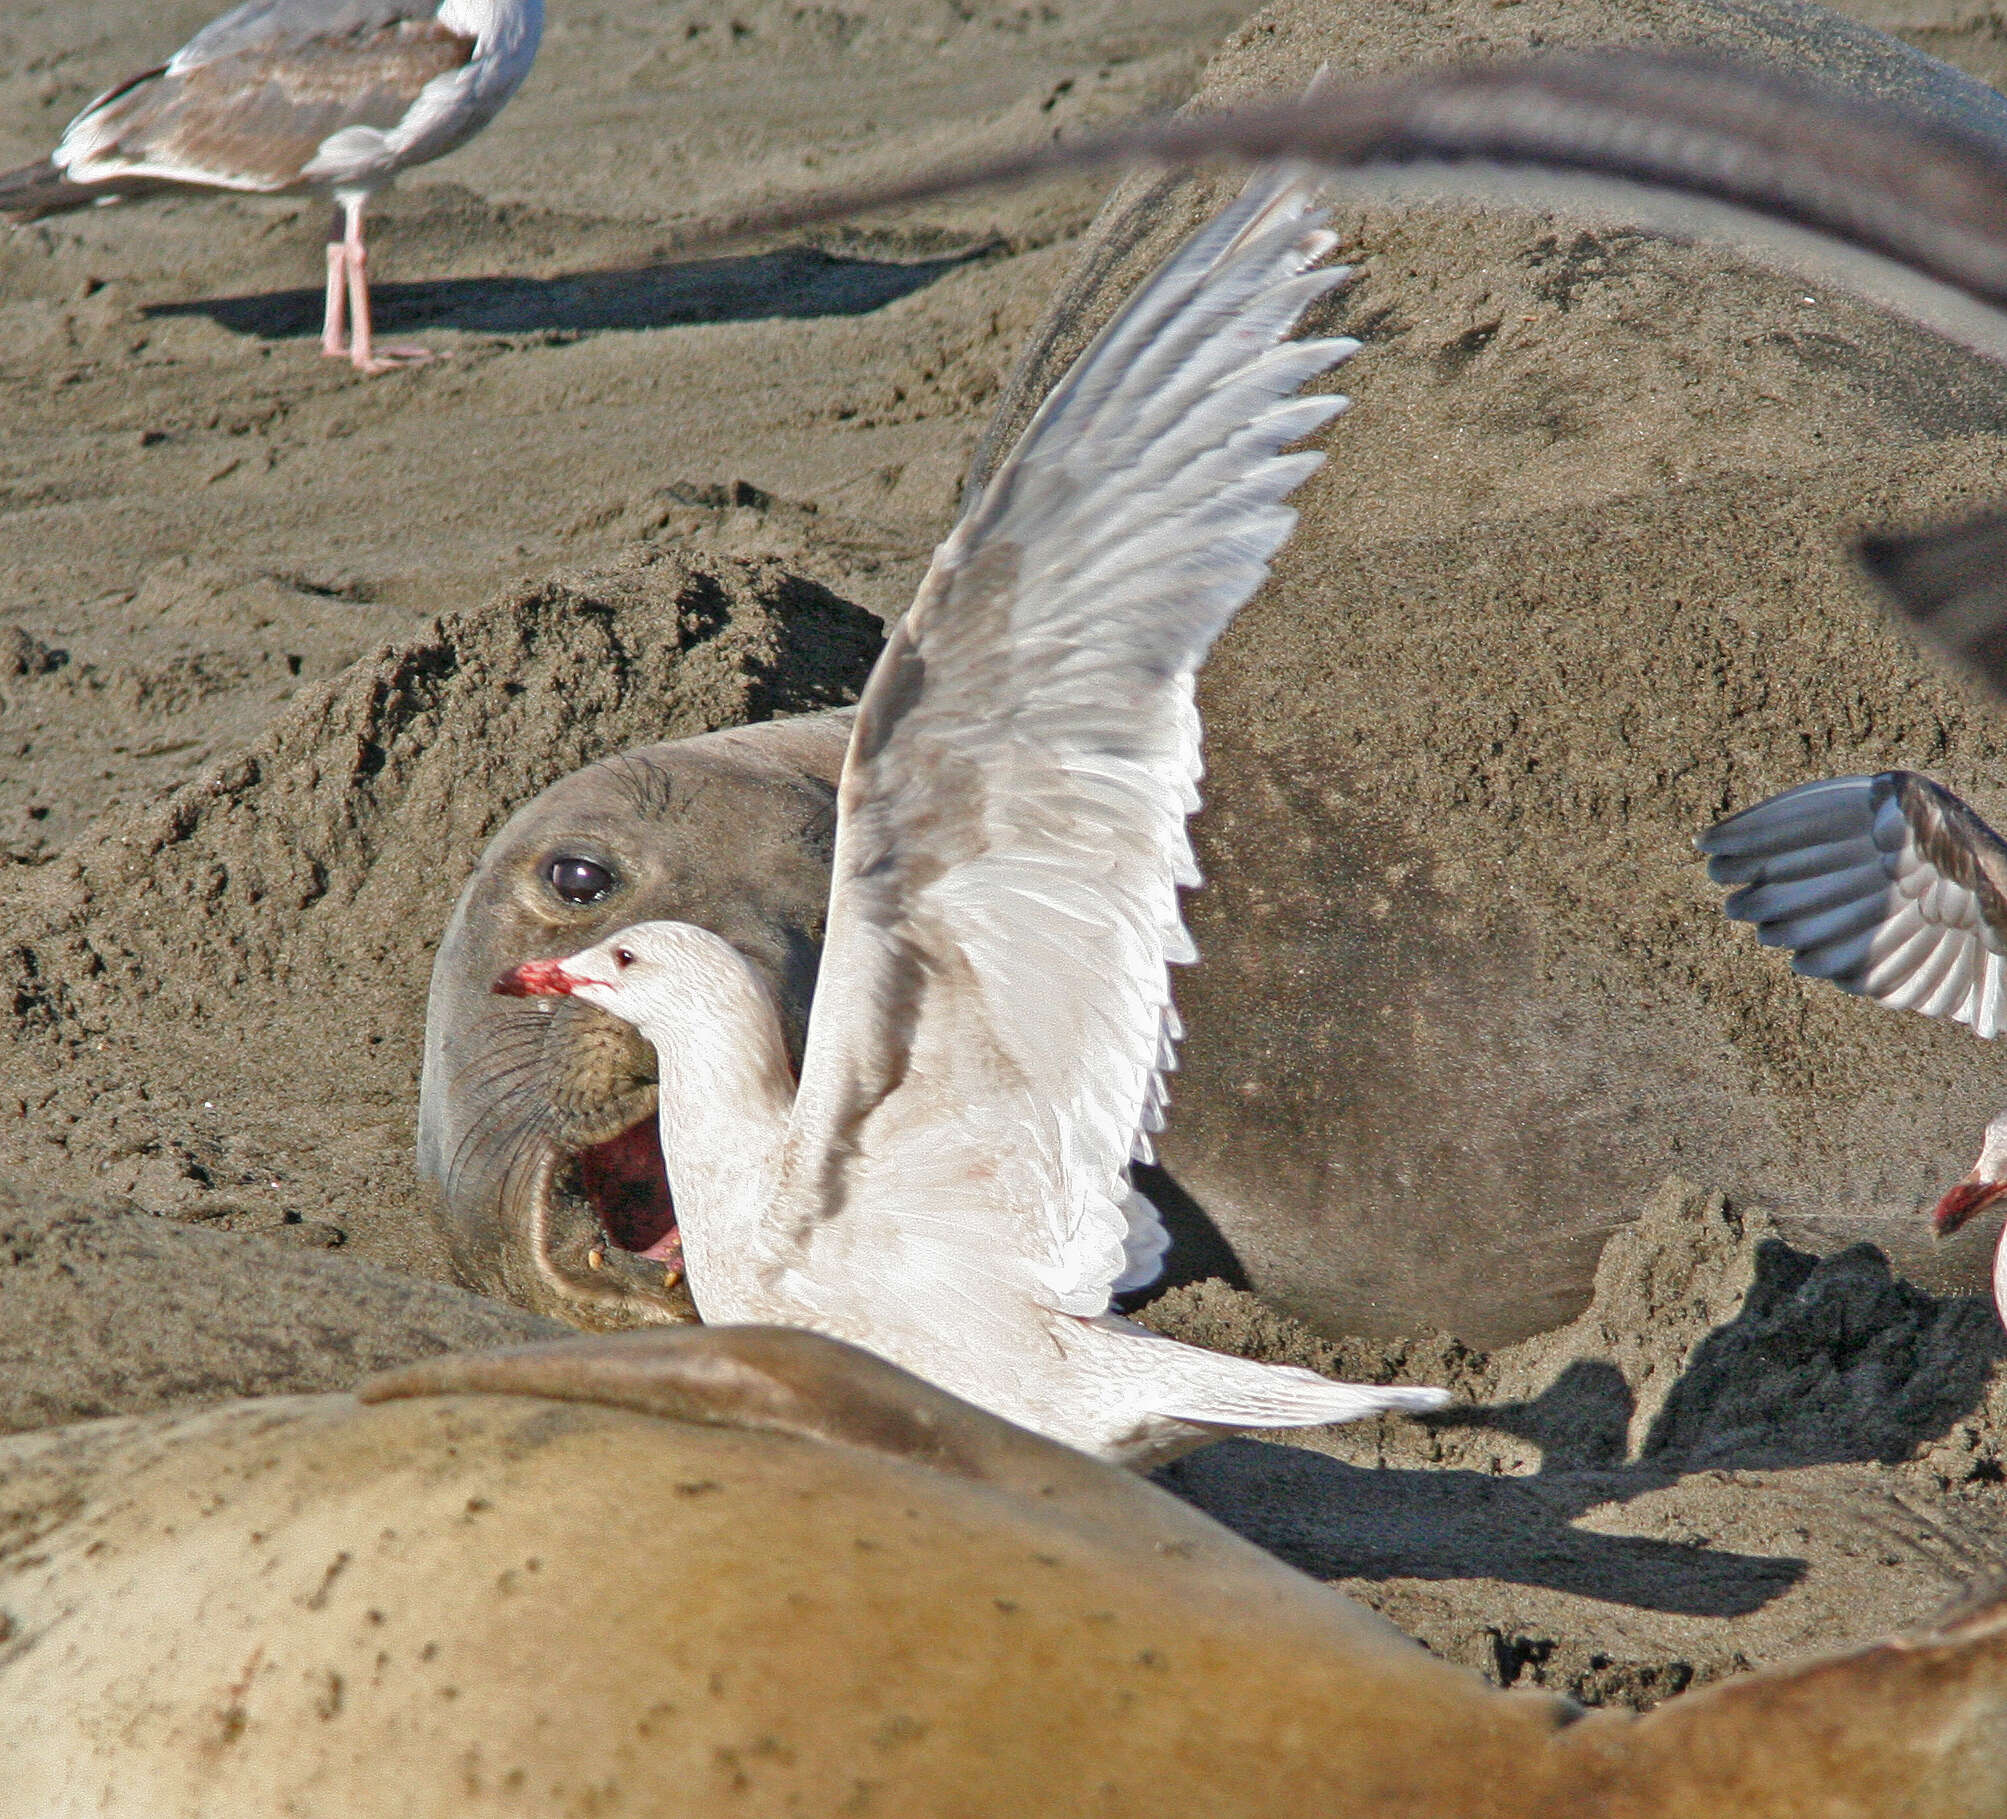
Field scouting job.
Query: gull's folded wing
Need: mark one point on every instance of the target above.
(248, 102)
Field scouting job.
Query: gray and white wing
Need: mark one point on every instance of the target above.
(251, 100)
(280, 27)
(994, 1017)
(1888, 885)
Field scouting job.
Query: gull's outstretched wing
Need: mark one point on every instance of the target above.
(251, 99)
(1650, 130)
(994, 1011)
(1887, 885)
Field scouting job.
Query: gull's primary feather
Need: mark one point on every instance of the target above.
(1887, 885)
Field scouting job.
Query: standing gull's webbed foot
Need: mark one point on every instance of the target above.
(348, 297)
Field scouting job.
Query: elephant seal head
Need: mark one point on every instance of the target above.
(536, 1124)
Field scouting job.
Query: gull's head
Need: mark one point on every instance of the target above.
(638, 975)
(689, 992)
(1986, 1185)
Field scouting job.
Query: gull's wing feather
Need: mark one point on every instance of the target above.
(1144, 1245)
(1680, 141)
(987, 1045)
(250, 100)
(1887, 885)
(267, 27)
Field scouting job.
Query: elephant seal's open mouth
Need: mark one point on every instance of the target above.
(598, 1077)
(624, 1181)
(597, 1197)
(537, 1116)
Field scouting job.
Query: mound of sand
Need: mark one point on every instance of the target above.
(219, 999)
(1738, 1453)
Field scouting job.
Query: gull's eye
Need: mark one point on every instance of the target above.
(623, 957)
(579, 880)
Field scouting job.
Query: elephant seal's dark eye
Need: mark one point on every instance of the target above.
(579, 880)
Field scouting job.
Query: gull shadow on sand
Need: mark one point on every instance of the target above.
(1827, 1361)
(1338, 1521)
(796, 282)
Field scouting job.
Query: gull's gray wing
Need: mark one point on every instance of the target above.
(1887, 885)
(994, 1010)
(250, 100)
(266, 27)
(1804, 173)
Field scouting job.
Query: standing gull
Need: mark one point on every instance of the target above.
(993, 1021)
(279, 96)
(1892, 888)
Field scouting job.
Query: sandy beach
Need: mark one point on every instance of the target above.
(253, 614)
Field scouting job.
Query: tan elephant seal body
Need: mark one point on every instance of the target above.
(537, 1127)
(747, 1571)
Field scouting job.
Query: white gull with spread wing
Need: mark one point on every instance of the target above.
(1893, 889)
(993, 1019)
(336, 96)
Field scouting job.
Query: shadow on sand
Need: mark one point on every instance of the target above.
(1827, 1361)
(794, 282)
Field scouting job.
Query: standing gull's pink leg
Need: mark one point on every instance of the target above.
(334, 318)
(363, 353)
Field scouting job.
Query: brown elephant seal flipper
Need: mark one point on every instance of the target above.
(764, 1379)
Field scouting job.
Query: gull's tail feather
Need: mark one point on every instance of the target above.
(41, 189)
(35, 190)
(1188, 1384)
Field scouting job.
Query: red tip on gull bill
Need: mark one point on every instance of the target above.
(536, 979)
(1961, 1202)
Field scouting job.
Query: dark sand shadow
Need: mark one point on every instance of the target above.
(1338, 1521)
(794, 282)
(1828, 1361)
